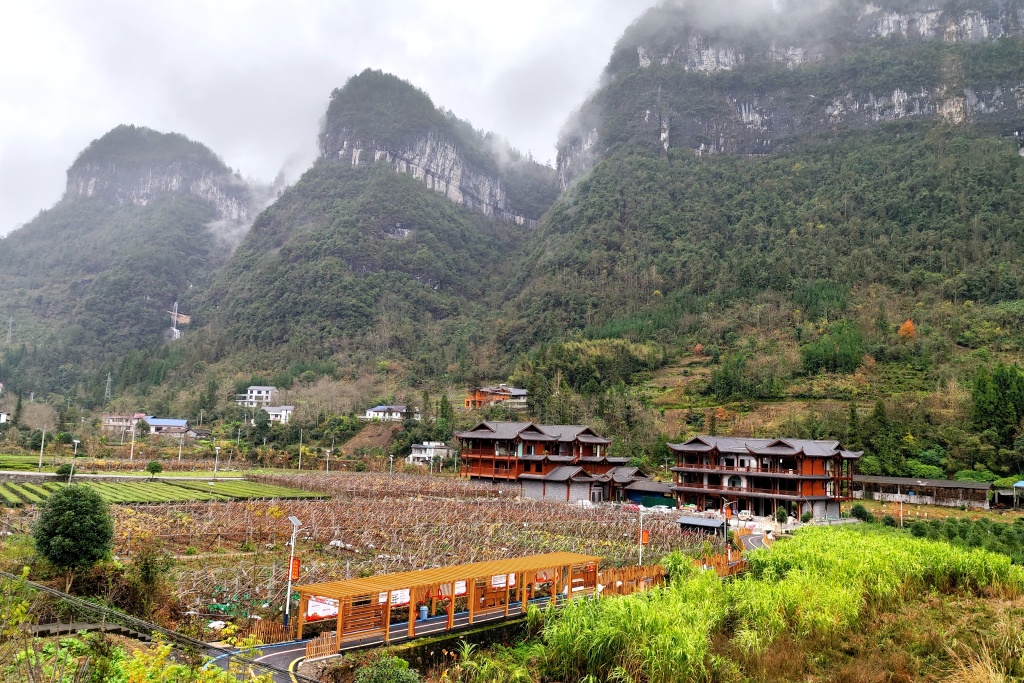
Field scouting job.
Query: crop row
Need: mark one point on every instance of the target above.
(152, 492)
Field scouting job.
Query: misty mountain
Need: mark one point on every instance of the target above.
(146, 217)
(379, 118)
(396, 242)
(738, 78)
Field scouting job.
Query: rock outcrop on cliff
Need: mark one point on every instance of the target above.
(378, 118)
(684, 78)
(134, 165)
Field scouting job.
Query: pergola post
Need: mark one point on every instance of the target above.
(303, 606)
(412, 614)
(508, 591)
(556, 582)
(387, 619)
(471, 592)
(451, 607)
(341, 618)
(523, 594)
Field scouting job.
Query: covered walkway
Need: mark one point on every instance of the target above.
(413, 604)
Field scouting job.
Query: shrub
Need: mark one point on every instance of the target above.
(860, 512)
(919, 529)
(64, 472)
(781, 516)
(889, 520)
(807, 517)
(387, 669)
(154, 468)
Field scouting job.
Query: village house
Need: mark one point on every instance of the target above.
(551, 462)
(763, 475)
(280, 414)
(256, 397)
(425, 453)
(489, 396)
(391, 413)
(166, 427)
(565, 484)
(4, 417)
(121, 424)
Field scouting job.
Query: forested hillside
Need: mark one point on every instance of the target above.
(93, 278)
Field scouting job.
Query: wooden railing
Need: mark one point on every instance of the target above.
(267, 632)
(721, 564)
(734, 489)
(324, 645)
(629, 580)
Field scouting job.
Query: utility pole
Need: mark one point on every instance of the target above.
(300, 449)
(131, 456)
(181, 442)
(43, 443)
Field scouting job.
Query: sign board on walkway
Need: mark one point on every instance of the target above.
(321, 608)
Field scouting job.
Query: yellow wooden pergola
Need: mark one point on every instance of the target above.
(364, 607)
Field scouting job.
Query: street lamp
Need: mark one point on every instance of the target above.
(291, 561)
(391, 467)
(73, 457)
(328, 459)
(216, 460)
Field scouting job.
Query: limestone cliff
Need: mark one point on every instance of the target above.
(133, 166)
(378, 118)
(682, 79)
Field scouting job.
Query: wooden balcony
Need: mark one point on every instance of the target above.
(763, 471)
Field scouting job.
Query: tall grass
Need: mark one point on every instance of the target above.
(818, 585)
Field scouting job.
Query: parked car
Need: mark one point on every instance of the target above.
(745, 515)
(660, 508)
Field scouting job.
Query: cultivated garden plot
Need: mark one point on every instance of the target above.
(155, 492)
(348, 537)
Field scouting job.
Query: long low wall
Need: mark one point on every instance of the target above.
(924, 500)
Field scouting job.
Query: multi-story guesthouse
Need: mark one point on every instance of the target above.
(391, 413)
(550, 462)
(482, 397)
(763, 475)
(256, 397)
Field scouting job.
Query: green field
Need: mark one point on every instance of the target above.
(140, 492)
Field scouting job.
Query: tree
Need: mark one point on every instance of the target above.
(154, 468)
(74, 530)
(907, 330)
(16, 418)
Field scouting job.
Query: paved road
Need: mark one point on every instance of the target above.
(754, 542)
(290, 655)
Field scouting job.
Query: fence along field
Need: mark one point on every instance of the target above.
(350, 536)
(155, 492)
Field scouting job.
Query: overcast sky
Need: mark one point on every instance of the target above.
(251, 78)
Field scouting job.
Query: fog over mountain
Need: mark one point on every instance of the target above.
(251, 80)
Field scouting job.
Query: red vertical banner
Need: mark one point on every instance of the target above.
(645, 537)
(295, 569)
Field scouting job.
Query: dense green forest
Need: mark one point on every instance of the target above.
(365, 261)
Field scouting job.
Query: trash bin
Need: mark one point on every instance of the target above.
(423, 612)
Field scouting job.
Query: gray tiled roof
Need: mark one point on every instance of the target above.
(506, 431)
(743, 445)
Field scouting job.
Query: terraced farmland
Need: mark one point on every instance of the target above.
(142, 492)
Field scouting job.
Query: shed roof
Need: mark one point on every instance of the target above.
(441, 575)
(701, 522)
(648, 486)
(932, 483)
(162, 422)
